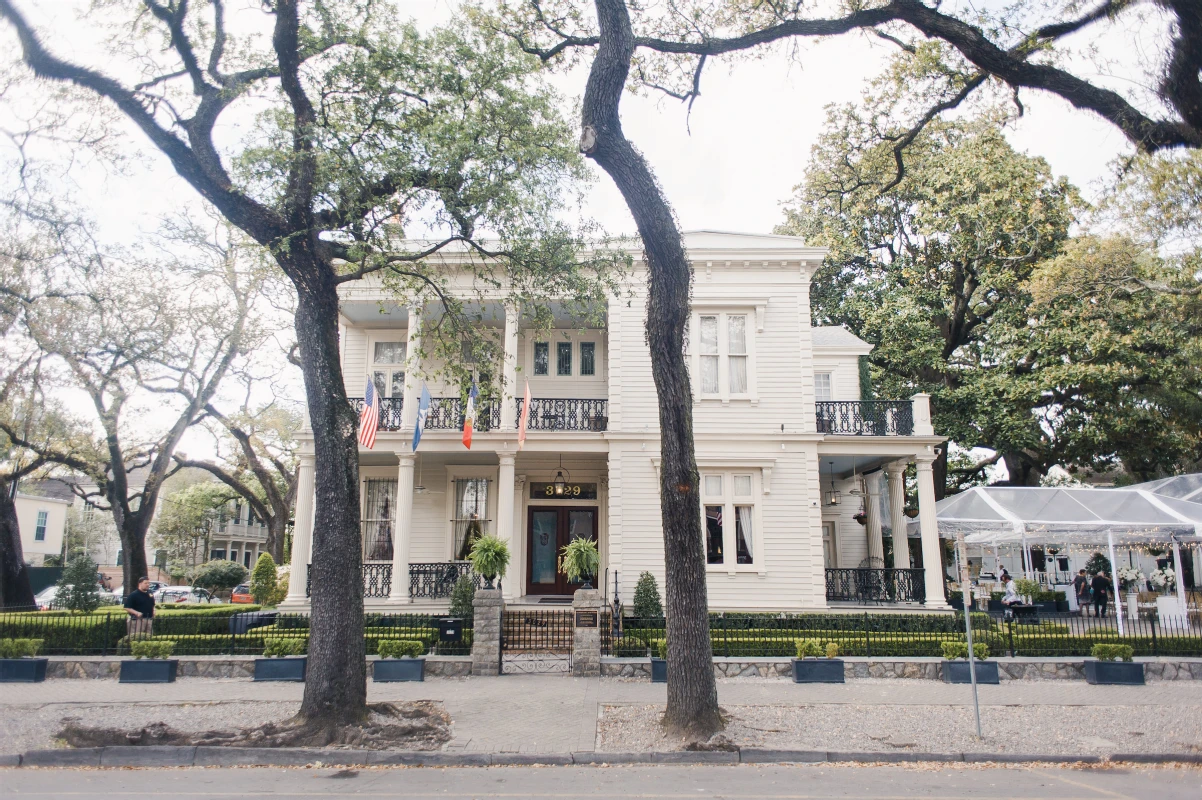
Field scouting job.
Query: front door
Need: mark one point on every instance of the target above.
(549, 529)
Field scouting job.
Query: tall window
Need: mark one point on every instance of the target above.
(379, 512)
(563, 358)
(723, 354)
(388, 368)
(542, 358)
(471, 514)
(588, 358)
(39, 533)
(728, 506)
(823, 392)
(709, 355)
(736, 329)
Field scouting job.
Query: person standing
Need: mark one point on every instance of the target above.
(140, 608)
(1100, 586)
(1081, 590)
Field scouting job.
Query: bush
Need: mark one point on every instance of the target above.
(219, 575)
(396, 648)
(1027, 587)
(78, 590)
(285, 646)
(281, 588)
(954, 650)
(152, 648)
(462, 596)
(19, 648)
(832, 649)
(661, 647)
(1049, 597)
(1112, 652)
(807, 648)
(263, 579)
(647, 602)
(1097, 563)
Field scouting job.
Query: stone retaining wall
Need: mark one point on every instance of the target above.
(931, 669)
(226, 667)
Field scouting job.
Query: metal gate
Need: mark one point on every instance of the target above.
(536, 641)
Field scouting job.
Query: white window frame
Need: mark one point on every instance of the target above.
(752, 325)
(43, 522)
(390, 367)
(728, 500)
(575, 338)
(830, 379)
(455, 473)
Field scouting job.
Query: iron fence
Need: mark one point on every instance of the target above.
(569, 414)
(435, 580)
(876, 585)
(537, 641)
(866, 417)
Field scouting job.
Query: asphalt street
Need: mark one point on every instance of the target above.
(621, 783)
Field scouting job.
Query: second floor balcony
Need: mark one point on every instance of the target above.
(865, 417)
(546, 414)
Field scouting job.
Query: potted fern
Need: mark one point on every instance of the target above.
(816, 663)
(490, 558)
(152, 662)
(18, 663)
(659, 666)
(579, 561)
(399, 661)
(1113, 665)
(955, 663)
(284, 659)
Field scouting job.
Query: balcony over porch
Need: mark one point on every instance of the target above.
(546, 414)
(874, 417)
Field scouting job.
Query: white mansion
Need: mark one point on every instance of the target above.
(780, 431)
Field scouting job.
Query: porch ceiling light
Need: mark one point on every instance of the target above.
(560, 484)
(832, 496)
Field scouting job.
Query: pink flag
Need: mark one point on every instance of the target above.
(525, 418)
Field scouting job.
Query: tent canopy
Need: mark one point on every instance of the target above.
(1182, 487)
(1000, 514)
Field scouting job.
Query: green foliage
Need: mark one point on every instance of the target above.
(20, 648)
(808, 648)
(397, 648)
(1112, 652)
(832, 649)
(490, 557)
(647, 604)
(954, 650)
(661, 648)
(78, 589)
(1097, 563)
(151, 648)
(1027, 587)
(263, 579)
(285, 646)
(281, 589)
(462, 595)
(579, 560)
(220, 574)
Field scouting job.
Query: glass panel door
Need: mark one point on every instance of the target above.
(581, 525)
(544, 547)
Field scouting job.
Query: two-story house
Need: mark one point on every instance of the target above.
(235, 534)
(787, 451)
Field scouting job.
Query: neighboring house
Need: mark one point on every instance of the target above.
(42, 508)
(237, 535)
(786, 449)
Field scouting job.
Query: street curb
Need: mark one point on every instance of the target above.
(204, 756)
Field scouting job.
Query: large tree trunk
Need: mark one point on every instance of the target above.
(14, 577)
(336, 676)
(132, 531)
(692, 692)
(1022, 471)
(277, 524)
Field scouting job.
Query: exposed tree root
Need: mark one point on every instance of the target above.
(700, 734)
(420, 725)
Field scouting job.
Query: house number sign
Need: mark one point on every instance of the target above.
(570, 491)
(587, 619)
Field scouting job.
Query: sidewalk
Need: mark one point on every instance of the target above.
(555, 714)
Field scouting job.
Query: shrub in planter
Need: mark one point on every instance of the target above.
(647, 602)
(811, 667)
(283, 660)
(1113, 665)
(490, 558)
(158, 666)
(659, 666)
(18, 663)
(399, 661)
(956, 667)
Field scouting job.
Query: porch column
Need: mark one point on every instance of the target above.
(872, 502)
(931, 562)
(896, 473)
(512, 583)
(413, 346)
(509, 412)
(400, 532)
(302, 533)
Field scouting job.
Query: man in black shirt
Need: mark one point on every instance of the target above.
(140, 608)
(1101, 593)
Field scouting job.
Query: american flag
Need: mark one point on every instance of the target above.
(369, 418)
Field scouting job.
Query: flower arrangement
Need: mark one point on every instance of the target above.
(1131, 579)
(1164, 579)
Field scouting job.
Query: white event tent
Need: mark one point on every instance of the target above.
(1024, 515)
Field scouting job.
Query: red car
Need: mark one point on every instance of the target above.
(241, 594)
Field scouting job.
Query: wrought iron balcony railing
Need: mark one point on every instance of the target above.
(377, 580)
(876, 585)
(866, 417)
(436, 580)
(447, 413)
(390, 411)
(548, 414)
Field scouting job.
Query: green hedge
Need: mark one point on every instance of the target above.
(802, 623)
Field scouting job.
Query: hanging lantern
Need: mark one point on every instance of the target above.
(560, 484)
(832, 497)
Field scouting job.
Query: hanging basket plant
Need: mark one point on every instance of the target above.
(911, 512)
(861, 518)
(489, 557)
(579, 561)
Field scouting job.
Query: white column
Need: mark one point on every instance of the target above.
(896, 472)
(413, 346)
(509, 412)
(302, 533)
(929, 527)
(512, 582)
(1180, 578)
(876, 541)
(400, 532)
(922, 414)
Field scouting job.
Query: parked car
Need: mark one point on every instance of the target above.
(170, 595)
(241, 594)
(47, 599)
(119, 592)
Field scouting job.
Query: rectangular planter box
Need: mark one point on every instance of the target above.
(281, 669)
(1046, 606)
(818, 670)
(389, 670)
(23, 670)
(957, 672)
(1126, 673)
(659, 670)
(148, 670)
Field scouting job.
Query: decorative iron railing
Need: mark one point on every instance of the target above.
(390, 411)
(377, 580)
(866, 417)
(569, 414)
(863, 585)
(447, 414)
(435, 580)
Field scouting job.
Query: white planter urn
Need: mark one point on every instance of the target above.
(1168, 607)
(1133, 606)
